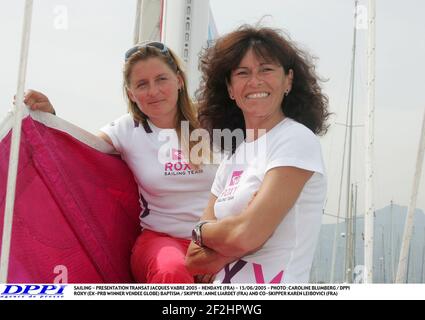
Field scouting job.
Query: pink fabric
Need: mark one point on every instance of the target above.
(75, 207)
(159, 258)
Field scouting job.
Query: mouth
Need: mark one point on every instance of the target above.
(258, 95)
(155, 102)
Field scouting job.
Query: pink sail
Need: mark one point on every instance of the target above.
(76, 209)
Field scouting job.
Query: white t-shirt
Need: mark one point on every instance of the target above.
(172, 195)
(287, 255)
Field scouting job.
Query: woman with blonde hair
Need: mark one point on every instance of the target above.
(173, 190)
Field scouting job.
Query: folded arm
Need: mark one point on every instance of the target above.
(247, 231)
(203, 260)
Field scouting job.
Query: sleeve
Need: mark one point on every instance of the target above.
(117, 131)
(220, 180)
(298, 147)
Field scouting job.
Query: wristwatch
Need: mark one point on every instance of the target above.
(197, 233)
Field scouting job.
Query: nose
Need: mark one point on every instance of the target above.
(255, 80)
(152, 89)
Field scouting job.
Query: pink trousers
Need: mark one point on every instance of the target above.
(159, 258)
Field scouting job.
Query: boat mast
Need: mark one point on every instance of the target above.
(384, 280)
(15, 143)
(336, 232)
(370, 132)
(138, 23)
(147, 23)
(423, 259)
(349, 227)
(185, 28)
(391, 251)
(355, 190)
(407, 235)
(409, 258)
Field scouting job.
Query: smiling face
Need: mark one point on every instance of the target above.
(258, 87)
(153, 86)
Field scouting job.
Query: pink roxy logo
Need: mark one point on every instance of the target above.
(236, 176)
(176, 154)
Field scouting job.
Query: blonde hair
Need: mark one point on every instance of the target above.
(186, 110)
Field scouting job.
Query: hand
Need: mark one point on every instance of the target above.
(205, 261)
(204, 278)
(37, 101)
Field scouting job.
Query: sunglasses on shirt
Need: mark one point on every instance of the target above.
(152, 44)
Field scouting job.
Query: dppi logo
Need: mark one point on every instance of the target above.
(236, 176)
(14, 290)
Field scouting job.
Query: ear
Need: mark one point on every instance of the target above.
(180, 82)
(290, 78)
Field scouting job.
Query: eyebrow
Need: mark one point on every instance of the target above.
(157, 76)
(261, 64)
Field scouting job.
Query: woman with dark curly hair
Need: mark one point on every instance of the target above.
(263, 218)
